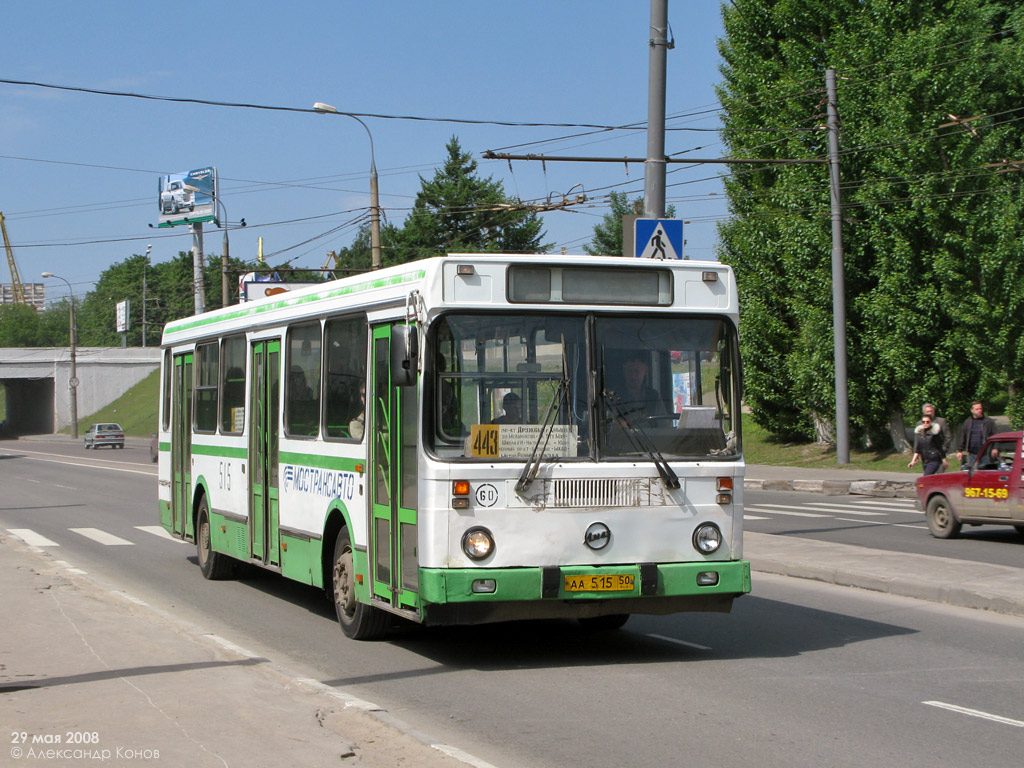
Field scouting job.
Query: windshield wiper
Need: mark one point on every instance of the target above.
(641, 440)
(529, 473)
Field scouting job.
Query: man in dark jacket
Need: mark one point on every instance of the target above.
(973, 433)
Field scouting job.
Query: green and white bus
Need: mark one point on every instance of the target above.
(467, 439)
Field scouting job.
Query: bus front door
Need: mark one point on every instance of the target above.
(264, 535)
(393, 551)
(181, 446)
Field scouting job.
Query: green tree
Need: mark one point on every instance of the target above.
(169, 296)
(608, 233)
(20, 326)
(457, 211)
(931, 235)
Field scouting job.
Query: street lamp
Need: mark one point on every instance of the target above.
(73, 381)
(375, 261)
(149, 250)
(224, 292)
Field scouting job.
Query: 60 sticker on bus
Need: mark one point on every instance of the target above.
(986, 493)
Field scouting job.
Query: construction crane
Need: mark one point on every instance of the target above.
(18, 288)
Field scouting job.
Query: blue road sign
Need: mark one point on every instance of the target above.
(658, 238)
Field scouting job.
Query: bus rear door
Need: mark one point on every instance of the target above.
(181, 446)
(265, 398)
(393, 555)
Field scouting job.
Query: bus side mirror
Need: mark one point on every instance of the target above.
(405, 354)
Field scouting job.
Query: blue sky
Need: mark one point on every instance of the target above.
(78, 172)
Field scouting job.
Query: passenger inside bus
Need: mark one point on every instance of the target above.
(357, 426)
(513, 406)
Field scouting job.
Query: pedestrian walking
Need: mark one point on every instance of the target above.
(947, 437)
(929, 446)
(975, 430)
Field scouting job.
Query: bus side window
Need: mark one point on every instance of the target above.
(232, 397)
(302, 394)
(345, 377)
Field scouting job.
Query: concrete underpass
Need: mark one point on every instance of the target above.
(35, 382)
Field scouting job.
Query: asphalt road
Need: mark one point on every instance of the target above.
(800, 673)
(891, 524)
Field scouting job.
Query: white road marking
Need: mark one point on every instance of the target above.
(232, 647)
(462, 756)
(778, 509)
(754, 517)
(90, 462)
(349, 701)
(681, 642)
(32, 538)
(975, 713)
(68, 567)
(102, 537)
(158, 530)
(823, 507)
(888, 503)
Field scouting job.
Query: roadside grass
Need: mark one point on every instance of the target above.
(760, 447)
(136, 410)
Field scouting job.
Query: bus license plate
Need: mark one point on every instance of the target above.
(606, 582)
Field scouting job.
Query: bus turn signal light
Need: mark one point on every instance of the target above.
(460, 488)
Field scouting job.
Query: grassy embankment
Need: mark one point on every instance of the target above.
(136, 410)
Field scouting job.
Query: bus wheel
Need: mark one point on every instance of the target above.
(358, 620)
(941, 523)
(213, 565)
(1019, 529)
(603, 623)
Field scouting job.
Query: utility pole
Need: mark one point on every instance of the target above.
(225, 296)
(654, 166)
(197, 267)
(145, 265)
(838, 279)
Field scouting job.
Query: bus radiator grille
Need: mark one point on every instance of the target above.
(627, 492)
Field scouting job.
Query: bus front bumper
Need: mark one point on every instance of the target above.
(479, 595)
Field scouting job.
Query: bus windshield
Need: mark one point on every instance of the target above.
(584, 386)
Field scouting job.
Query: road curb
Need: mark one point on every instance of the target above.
(903, 489)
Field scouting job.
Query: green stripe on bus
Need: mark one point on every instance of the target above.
(224, 451)
(243, 311)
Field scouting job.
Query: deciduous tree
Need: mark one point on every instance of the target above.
(931, 232)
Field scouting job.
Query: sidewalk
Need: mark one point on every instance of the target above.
(135, 687)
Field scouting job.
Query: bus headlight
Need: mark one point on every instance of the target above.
(707, 538)
(477, 543)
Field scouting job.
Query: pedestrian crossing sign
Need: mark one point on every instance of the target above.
(658, 238)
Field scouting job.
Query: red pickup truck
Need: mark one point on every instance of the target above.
(989, 492)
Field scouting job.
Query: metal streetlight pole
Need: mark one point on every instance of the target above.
(149, 249)
(375, 259)
(73, 381)
(225, 294)
(654, 165)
